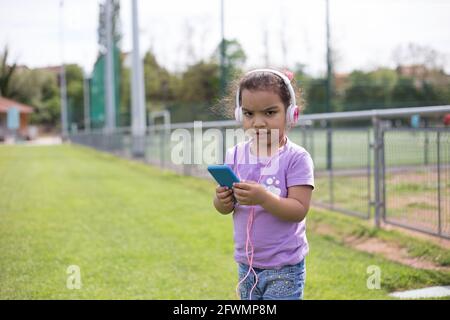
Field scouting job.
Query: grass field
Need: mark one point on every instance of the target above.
(139, 233)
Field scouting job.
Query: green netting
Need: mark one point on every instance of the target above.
(97, 90)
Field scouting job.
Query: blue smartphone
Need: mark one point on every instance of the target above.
(223, 174)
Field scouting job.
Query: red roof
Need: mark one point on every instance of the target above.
(6, 104)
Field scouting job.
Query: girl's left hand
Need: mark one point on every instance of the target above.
(249, 193)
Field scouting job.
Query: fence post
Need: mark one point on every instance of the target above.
(224, 143)
(426, 143)
(377, 154)
(438, 141)
(330, 164)
(162, 148)
(304, 133)
(188, 166)
(369, 173)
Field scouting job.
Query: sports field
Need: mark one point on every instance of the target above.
(138, 233)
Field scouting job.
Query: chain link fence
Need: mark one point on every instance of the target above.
(416, 179)
(384, 169)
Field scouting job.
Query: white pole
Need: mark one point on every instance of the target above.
(110, 97)
(138, 120)
(63, 88)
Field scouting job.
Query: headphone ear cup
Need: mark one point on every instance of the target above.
(296, 114)
(238, 114)
(292, 115)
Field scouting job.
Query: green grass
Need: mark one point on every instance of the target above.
(139, 233)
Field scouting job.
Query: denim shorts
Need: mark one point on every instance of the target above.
(286, 283)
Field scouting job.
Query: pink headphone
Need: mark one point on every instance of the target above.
(292, 112)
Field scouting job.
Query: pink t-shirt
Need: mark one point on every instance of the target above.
(276, 243)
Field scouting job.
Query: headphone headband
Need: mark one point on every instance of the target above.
(285, 79)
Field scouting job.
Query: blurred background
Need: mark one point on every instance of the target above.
(382, 54)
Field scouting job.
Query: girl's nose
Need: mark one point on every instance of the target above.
(258, 122)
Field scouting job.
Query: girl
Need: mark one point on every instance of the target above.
(271, 201)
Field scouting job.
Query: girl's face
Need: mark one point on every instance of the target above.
(263, 111)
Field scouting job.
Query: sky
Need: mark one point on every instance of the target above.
(364, 33)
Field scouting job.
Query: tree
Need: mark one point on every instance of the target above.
(38, 88)
(6, 73)
(414, 55)
(159, 83)
(199, 83)
(75, 94)
(101, 31)
(234, 58)
(125, 94)
(313, 90)
(196, 91)
(405, 93)
(367, 90)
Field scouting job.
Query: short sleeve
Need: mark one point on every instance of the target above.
(300, 170)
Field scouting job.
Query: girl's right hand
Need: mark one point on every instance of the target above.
(225, 196)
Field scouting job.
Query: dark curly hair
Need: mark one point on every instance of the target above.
(257, 81)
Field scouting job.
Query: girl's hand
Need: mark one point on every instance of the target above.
(249, 193)
(225, 196)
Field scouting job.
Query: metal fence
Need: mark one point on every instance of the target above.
(416, 179)
(392, 173)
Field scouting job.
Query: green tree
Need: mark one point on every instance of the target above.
(125, 94)
(6, 73)
(160, 85)
(234, 59)
(406, 93)
(199, 83)
(39, 89)
(368, 90)
(75, 94)
(313, 90)
(196, 91)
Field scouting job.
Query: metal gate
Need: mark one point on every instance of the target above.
(416, 179)
(345, 185)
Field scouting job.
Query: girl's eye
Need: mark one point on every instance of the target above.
(247, 114)
(270, 113)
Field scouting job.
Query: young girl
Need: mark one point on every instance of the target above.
(271, 201)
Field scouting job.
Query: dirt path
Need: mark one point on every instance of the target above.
(392, 251)
(373, 245)
(44, 141)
